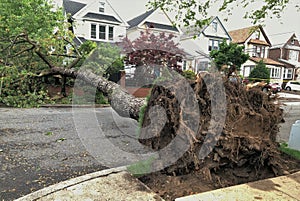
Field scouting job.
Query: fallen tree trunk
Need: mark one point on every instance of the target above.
(121, 101)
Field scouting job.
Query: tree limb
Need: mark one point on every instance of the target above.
(121, 101)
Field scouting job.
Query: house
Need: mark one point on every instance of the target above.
(286, 49)
(95, 21)
(199, 42)
(257, 45)
(155, 20)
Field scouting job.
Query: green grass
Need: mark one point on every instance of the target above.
(141, 168)
(292, 152)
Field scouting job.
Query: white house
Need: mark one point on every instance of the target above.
(198, 42)
(155, 20)
(286, 49)
(94, 20)
(257, 45)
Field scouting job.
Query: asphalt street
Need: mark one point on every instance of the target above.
(43, 146)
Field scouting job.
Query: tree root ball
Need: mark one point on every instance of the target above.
(246, 148)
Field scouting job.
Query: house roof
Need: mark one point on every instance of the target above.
(161, 26)
(192, 49)
(194, 31)
(258, 42)
(79, 40)
(280, 39)
(72, 7)
(241, 35)
(98, 16)
(293, 63)
(137, 20)
(266, 61)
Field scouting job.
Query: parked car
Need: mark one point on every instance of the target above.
(292, 86)
(275, 87)
(265, 87)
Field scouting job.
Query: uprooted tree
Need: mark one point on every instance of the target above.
(241, 139)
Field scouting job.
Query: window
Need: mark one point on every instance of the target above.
(287, 73)
(293, 55)
(247, 70)
(256, 35)
(101, 7)
(215, 26)
(111, 33)
(275, 72)
(102, 32)
(263, 49)
(203, 66)
(213, 45)
(93, 31)
(184, 65)
(293, 41)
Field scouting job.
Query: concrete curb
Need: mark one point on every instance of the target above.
(68, 183)
(76, 106)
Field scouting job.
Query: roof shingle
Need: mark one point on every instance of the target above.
(161, 26)
(98, 16)
(266, 61)
(137, 20)
(241, 35)
(72, 7)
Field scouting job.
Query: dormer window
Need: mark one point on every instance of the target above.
(257, 35)
(101, 7)
(293, 41)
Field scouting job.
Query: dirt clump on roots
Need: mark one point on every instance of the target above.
(220, 136)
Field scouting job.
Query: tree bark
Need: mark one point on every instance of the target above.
(121, 101)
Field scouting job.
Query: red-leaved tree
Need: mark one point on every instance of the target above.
(151, 52)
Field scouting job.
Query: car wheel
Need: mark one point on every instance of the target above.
(288, 88)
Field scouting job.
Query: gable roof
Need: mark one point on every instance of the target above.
(72, 7)
(98, 16)
(137, 20)
(241, 35)
(195, 31)
(280, 39)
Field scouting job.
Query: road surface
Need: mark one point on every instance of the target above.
(39, 147)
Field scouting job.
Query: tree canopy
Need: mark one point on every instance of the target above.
(260, 72)
(196, 11)
(231, 55)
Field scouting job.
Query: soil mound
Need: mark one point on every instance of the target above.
(236, 137)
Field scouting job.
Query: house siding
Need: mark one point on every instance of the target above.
(275, 53)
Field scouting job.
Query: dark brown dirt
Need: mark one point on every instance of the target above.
(245, 151)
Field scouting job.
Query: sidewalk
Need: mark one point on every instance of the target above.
(112, 184)
(284, 188)
(117, 184)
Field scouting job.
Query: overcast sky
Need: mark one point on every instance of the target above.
(290, 21)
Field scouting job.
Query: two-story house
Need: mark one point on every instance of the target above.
(199, 42)
(155, 20)
(286, 49)
(95, 21)
(257, 44)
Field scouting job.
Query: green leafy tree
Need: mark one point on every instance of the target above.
(231, 55)
(29, 30)
(260, 72)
